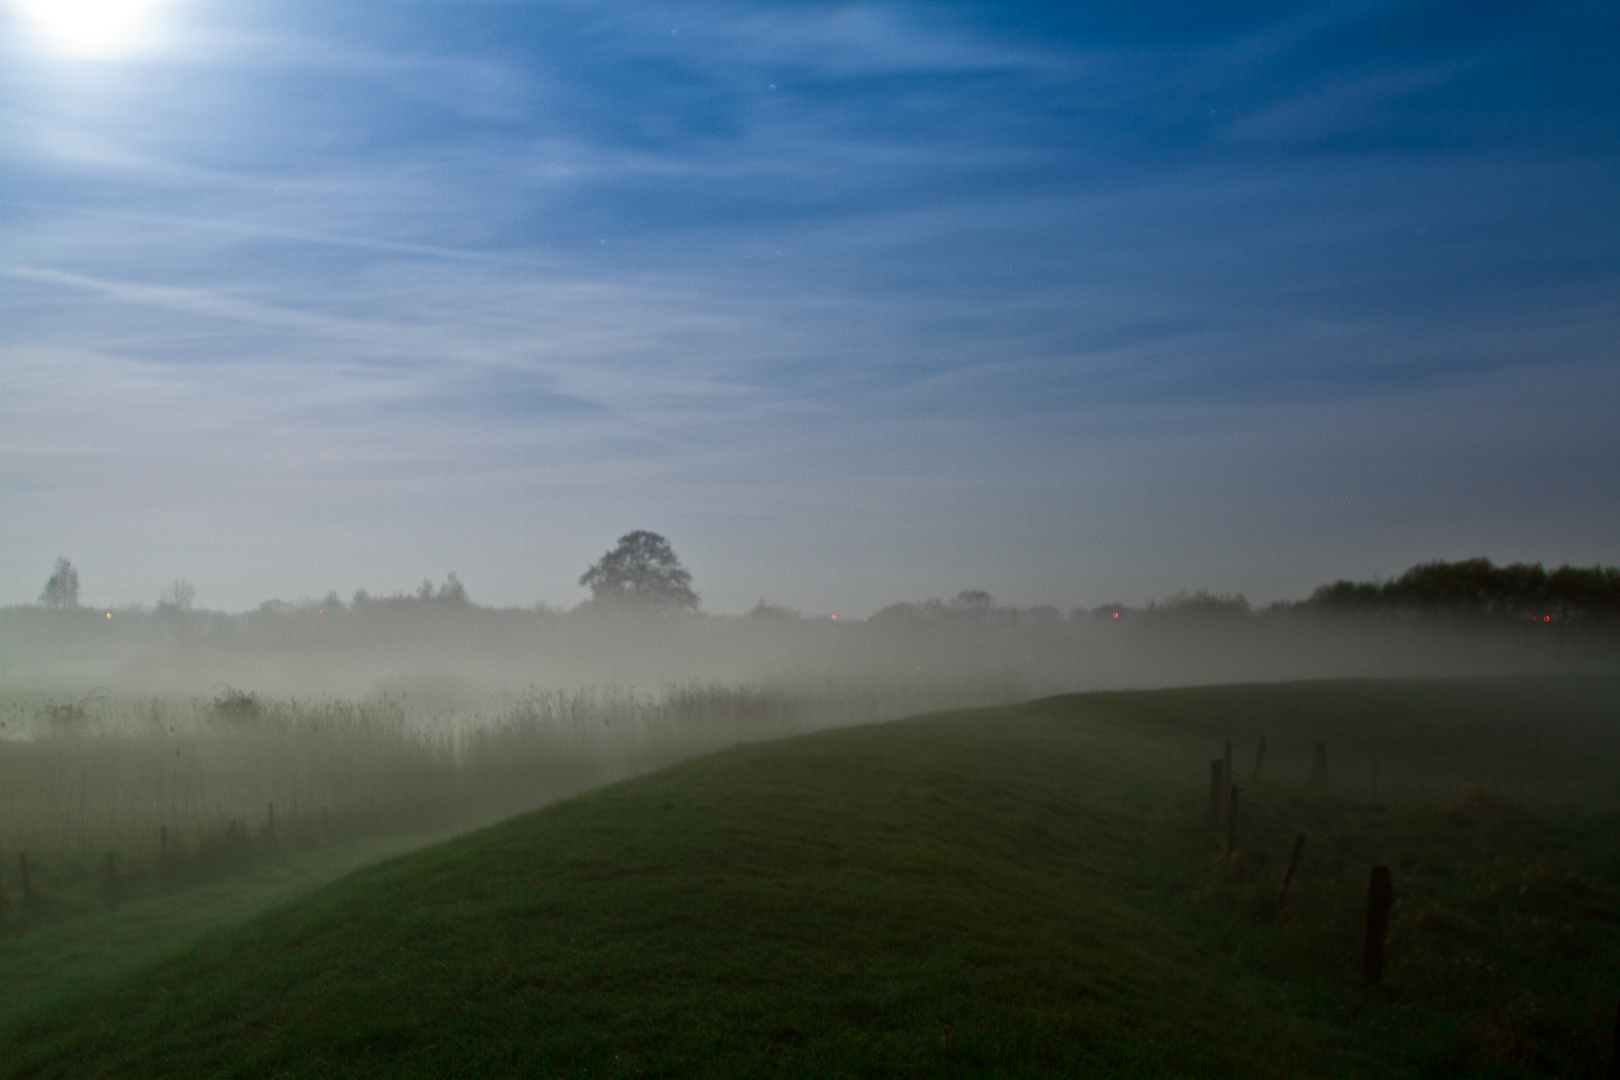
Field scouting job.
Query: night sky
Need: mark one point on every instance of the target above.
(854, 303)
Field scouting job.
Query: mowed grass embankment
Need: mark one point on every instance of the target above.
(64, 947)
(1033, 890)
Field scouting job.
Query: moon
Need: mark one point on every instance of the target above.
(90, 29)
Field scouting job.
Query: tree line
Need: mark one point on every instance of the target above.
(1476, 588)
(642, 571)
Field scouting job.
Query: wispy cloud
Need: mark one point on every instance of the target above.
(869, 279)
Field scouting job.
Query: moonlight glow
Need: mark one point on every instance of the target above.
(90, 29)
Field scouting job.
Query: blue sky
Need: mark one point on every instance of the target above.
(853, 302)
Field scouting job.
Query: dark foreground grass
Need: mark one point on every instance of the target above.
(1025, 891)
(75, 945)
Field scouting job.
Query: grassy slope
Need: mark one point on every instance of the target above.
(61, 953)
(1020, 891)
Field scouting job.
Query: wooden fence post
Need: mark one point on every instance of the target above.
(1227, 775)
(1217, 782)
(109, 877)
(1293, 864)
(1380, 898)
(1231, 820)
(1259, 759)
(1614, 1052)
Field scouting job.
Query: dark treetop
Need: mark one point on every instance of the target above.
(641, 569)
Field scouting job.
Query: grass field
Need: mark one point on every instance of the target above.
(1033, 890)
(65, 949)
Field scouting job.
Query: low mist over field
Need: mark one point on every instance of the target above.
(1439, 619)
(424, 710)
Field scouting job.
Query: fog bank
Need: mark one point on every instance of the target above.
(450, 645)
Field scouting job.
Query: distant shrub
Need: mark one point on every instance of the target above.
(763, 610)
(62, 588)
(969, 607)
(1202, 604)
(237, 706)
(67, 718)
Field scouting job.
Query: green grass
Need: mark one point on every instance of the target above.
(1025, 891)
(74, 942)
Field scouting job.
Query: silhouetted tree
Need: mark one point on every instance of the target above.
(765, 610)
(973, 600)
(969, 607)
(1202, 605)
(179, 595)
(62, 587)
(451, 592)
(641, 569)
(1474, 588)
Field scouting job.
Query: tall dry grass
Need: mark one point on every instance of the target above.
(185, 781)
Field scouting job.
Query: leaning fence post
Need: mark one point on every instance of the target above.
(1293, 864)
(1217, 781)
(1380, 898)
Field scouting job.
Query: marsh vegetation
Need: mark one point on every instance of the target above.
(108, 796)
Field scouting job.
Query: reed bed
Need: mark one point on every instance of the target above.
(104, 789)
